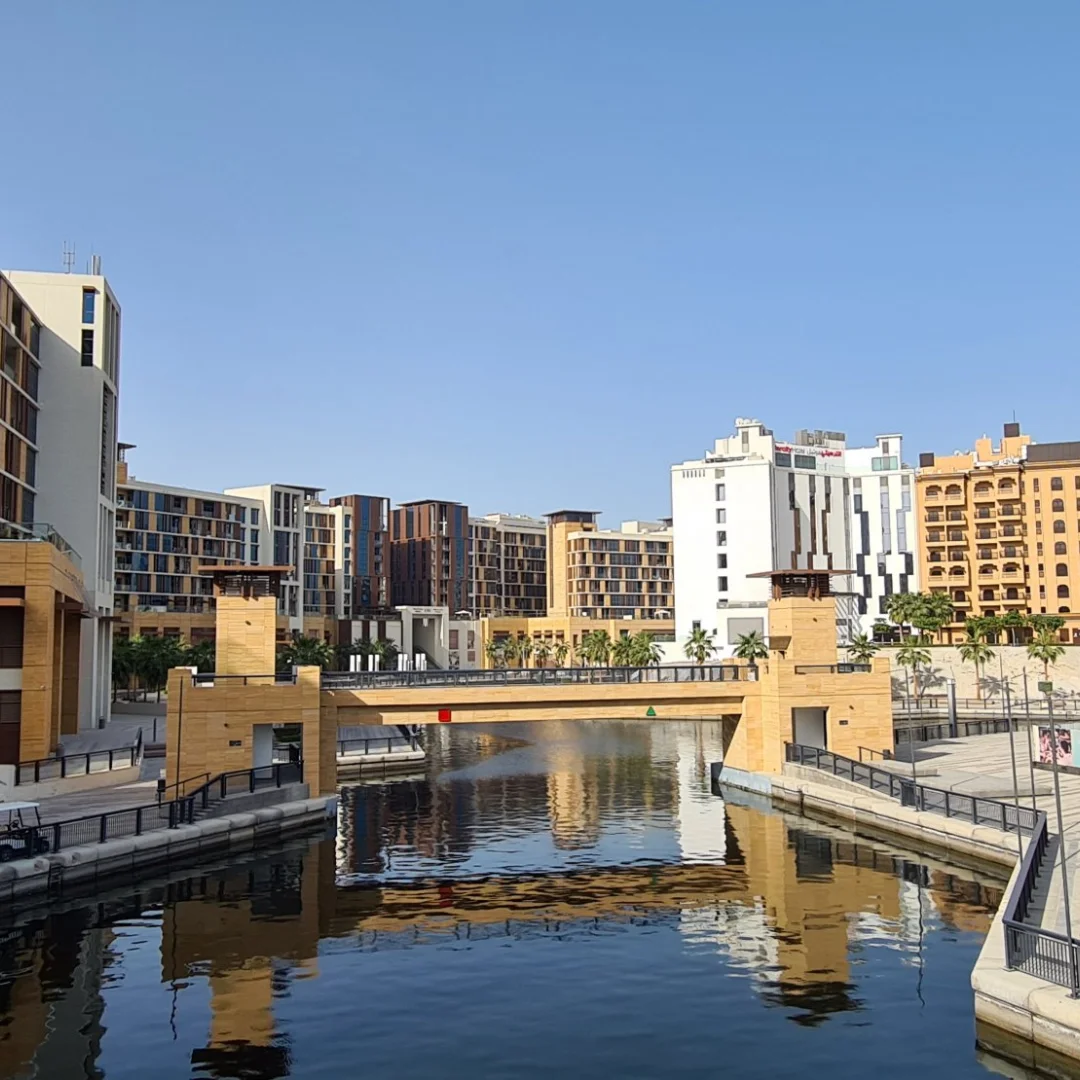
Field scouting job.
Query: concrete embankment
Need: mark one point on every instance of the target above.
(1043, 1018)
(130, 855)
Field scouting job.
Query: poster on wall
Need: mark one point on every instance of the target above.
(1064, 737)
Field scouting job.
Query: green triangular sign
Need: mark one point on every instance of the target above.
(650, 711)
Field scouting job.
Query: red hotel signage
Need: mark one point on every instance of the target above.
(814, 451)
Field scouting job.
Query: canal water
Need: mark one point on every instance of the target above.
(564, 899)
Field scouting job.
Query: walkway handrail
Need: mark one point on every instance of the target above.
(979, 811)
(135, 820)
(544, 676)
(70, 765)
(1044, 954)
(179, 787)
(382, 745)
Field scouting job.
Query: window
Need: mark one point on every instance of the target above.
(721, 562)
(782, 460)
(1034, 485)
(721, 492)
(1058, 506)
(1059, 526)
(1059, 547)
(1038, 506)
(1061, 570)
(1038, 528)
(884, 464)
(1056, 483)
(1063, 592)
(721, 538)
(805, 461)
(721, 584)
(87, 348)
(721, 516)
(88, 297)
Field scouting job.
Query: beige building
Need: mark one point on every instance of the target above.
(1000, 529)
(507, 565)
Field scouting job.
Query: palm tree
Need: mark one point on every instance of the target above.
(931, 612)
(542, 652)
(913, 654)
(1012, 622)
(622, 651)
(974, 650)
(509, 650)
(307, 652)
(901, 608)
(202, 655)
(699, 646)
(861, 649)
(123, 664)
(645, 651)
(385, 650)
(154, 658)
(1039, 623)
(524, 650)
(560, 652)
(596, 647)
(751, 647)
(495, 650)
(1047, 650)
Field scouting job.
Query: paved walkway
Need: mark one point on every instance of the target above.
(981, 765)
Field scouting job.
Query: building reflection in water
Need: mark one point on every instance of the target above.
(787, 905)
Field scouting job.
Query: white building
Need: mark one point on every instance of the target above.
(750, 505)
(883, 536)
(76, 469)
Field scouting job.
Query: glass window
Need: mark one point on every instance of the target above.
(87, 352)
(783, 460)
(88, 298)
(721, 562)
(721, 492)
(721, 516)
(805, 461)
(721, 538)
(1056, 484)
(721, 584)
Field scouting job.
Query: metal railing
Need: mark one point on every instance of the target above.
(1044, 954)
(940, 703)
(950, 804)
(918, 729)
(831, 669)
(867, 753)
(365, 747)
(40, 530)
(682, 673)
(134, 821)
(210, 678)
(71, 765)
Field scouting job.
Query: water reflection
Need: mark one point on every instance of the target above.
(576, 837)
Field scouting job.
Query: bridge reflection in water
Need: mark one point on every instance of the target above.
(787, 904)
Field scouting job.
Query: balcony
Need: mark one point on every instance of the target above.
(961, 578)
(954, 496)
(1012, 575)
(932, 496)
(984, 493)
(984, 513)
(40, 531)
(935, 538)
(934, 515)
(956, 515)
(961, 603)
(1020, 600)
(956, 537)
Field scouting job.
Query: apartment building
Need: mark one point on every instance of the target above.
(55, 640)
(1000, 529)
(163, 535)
(508, 565)
(75, 319)
(883, 527)
(595, 573)
(370, 567)
(328, 584)
(429, 557)
(751, 504)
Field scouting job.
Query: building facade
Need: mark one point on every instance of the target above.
(508, 565)
(754, 504)
(429, 557)
(883, 527)
(370, 568)
(77, 319)
(595, 573)
(1000, 529)
(163, 535)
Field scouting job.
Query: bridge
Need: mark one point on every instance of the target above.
(801, 692)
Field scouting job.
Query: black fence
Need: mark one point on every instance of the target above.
(117, 824)
(62, 768)
(1043, 954)
(210, 678)
(832, 669)
(924, 729)
(681, 673)
(949, 804)
(378, 745)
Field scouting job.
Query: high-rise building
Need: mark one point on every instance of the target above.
(429, 558)
(1000, 529)
(163, 535)
(370, 567)
(508, 565)
(750, 505)
(883, 527)
(596, 573)
(78, 347)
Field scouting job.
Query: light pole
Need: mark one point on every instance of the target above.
(1031, 748)
(1073, 988)
(1012, 752)
(910, 729)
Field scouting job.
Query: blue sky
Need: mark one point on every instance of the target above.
(527, 255)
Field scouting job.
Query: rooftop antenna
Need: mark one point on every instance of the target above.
(68, 257)
(95, 265)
